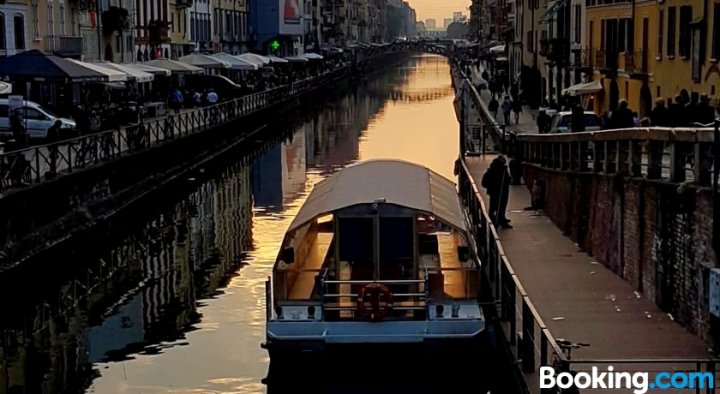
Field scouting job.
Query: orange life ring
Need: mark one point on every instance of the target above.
(375, 301)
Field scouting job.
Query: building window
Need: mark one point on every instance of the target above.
(19, 26)
(530, 41)
(3, 39)
(672, 20)
(50, 30)
(62, 19)
(661, 27)
(36, 30)
(578, 25)
(685, 37)
(716, 32)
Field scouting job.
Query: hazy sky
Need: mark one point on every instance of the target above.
(438, 9)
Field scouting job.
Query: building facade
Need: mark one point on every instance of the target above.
(180, 44)
(200, 21)
(14, 27)
(151, 26)
(230, 26)
(278, 27)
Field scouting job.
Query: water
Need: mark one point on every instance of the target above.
(175, 303)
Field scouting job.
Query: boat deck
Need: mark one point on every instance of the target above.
(454, 279)
(304, 284)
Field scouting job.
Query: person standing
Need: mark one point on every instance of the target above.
(506, 107)
(496, 181)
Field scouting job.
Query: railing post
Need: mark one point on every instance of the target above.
(528, 335)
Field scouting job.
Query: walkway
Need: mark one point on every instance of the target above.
(526, 124)
(581, 300)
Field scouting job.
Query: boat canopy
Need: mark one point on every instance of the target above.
(389, 181)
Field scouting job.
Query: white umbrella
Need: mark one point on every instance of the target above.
(235, 62)
(297, 59)
(148, 69)
(112, 74)
(204, 61)
(139, 76)
(497, 49)
(5, 88)
(174, 66)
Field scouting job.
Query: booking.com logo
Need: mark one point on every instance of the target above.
(639, 381)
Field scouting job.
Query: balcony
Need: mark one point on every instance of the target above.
(65, 46)
(583, 60)
(606, 61)
(636, 64)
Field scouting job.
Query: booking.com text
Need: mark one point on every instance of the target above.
(640, 382)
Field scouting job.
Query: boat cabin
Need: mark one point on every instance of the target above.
(380, 240)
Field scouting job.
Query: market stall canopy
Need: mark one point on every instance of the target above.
(5, 88)
(235, 62)
(275, 59)
(34, 65)
(254, 58)
(155, 71)
(296, 59)
(204, 61)
(312, 56)
(583, 88)
(175, 66)
(112, 74)
(137, 75)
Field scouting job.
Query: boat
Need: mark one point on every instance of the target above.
(380, 253)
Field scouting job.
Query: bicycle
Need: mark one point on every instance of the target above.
(563, 365)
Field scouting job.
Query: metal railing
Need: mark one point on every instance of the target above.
(521, 324)
(39, 163)
(675, 155)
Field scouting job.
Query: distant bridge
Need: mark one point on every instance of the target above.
(440, 46)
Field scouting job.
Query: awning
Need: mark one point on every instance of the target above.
(137, 75)
(497, 49)
(156, 71)
(112, 74)
(235, 62)
(297, 59)
(551, 10)
(204, 61)
(5, 88)
(36, 66)
(254, 58)
(398, 182)
(583, 88)
(175, 66)
(312, 56)
(275, 59)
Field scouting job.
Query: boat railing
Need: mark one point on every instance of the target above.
(455, 282)
(343, 295)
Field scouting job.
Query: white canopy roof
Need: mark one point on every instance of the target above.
(296, 59)
(275, 59)
(235, 62)
(112, 74)
(311, 55)
(254, 58)
(148, 69)
(204, 61)
(175, 66)
(139, 76)
(583, 88)
(398, 182)
(497, 49)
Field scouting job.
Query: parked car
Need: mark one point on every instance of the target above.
(38, 120)
(562, 122)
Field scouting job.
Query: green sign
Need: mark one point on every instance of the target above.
(275, 45)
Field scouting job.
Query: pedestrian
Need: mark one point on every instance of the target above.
(496, 181)
(577, 119)
(517, 109)
(493, 107)
(506, 107)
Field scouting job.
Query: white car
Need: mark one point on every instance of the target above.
(37, 120)
(562, 122)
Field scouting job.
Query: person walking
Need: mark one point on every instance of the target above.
(506, 107)
(496, 181)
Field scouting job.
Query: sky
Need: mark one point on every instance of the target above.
(438, 9)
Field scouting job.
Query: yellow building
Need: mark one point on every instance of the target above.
(646, 50)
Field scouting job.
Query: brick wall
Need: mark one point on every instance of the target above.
(654, 235)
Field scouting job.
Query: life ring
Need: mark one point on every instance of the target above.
(375, 301)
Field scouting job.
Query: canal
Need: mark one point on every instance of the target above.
(174, 300)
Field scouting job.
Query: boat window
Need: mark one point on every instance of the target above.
(396, 240)
(356, 240)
